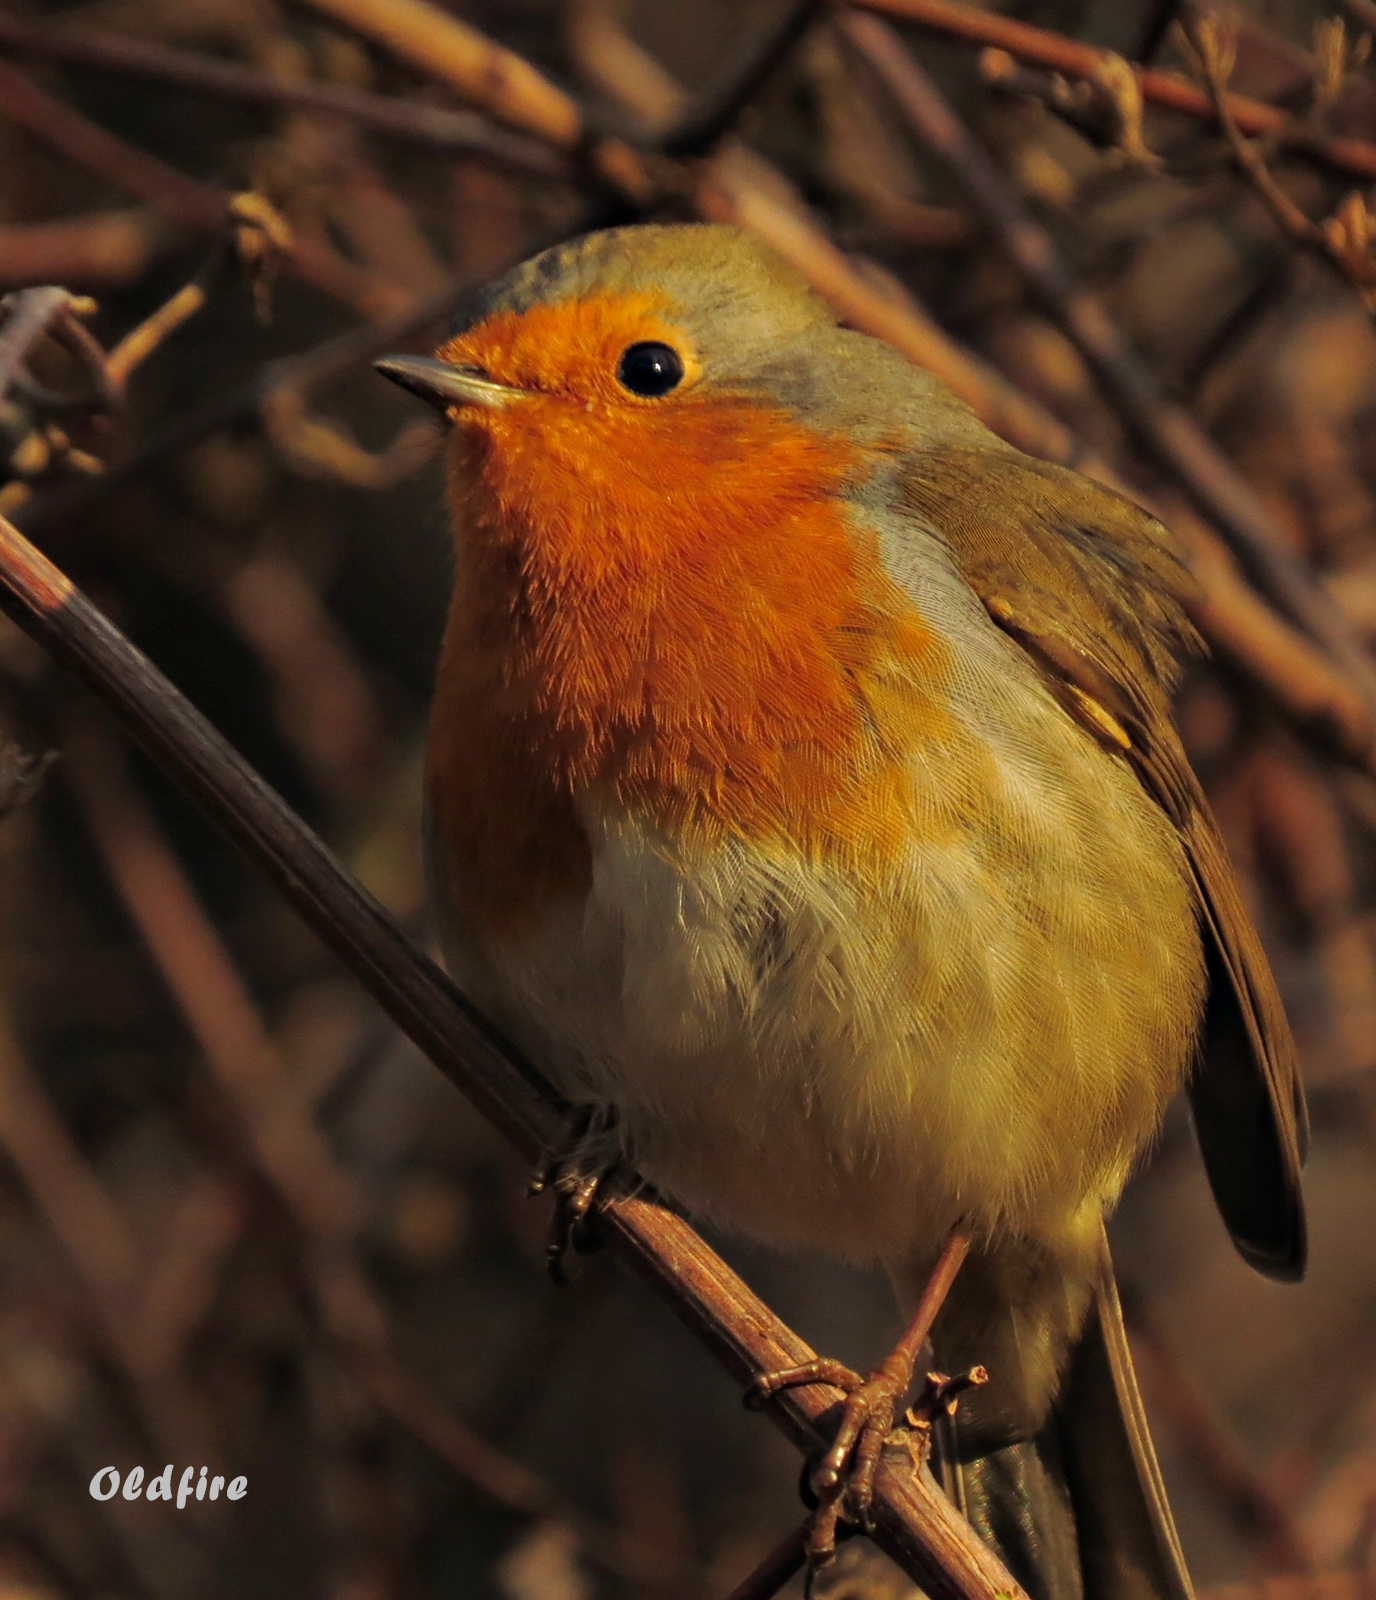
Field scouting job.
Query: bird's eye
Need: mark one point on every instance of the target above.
(650, 368)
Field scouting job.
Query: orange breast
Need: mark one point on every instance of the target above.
(665, 606)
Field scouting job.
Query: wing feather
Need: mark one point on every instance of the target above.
(1088, 585)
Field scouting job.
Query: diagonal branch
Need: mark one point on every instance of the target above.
(1356, 158)
(703, 124)
(1174, 440)
(197, 205)
(438, 127)
(1342, 240)
(915, 1522)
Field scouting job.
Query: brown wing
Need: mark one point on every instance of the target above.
(1087, 584)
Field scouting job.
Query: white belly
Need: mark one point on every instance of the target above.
(991, 1032)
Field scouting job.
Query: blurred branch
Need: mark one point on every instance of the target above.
(435, 41)
(102, 247)
(740, 187)
(1253, 1511)
(195, 204)
(438, 127)
(1354, 157)
(321, 1198)
(1362, 12)
(915, 1522)
(1342, 240)
(710, 119)
(774, 1571)
(327, 706)
(96, 1240)
(321, 449)
(1171, 436)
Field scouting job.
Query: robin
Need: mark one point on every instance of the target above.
(804, 797)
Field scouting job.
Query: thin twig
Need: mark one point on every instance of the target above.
(915, 1523)
(438, 127)
(1173, 438)
(1342, 240)
(1354, 157)
(773, 1572)
(1252, 1509)
(197, 205)
(740, 187)
(29, 313)
(715, 114)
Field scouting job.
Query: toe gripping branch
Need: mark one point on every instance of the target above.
(575, 1172)
(838, 1484)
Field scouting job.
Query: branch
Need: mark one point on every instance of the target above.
(1341, 240)
(438, 127)
(322, 361)
(773, 1572)
(320, 1197)
(1356, 158)
(109, 247)
(916, 1524)
(197, 205)
(1170, 435)
(436, 42)
(707, 122)
(1253, 1510)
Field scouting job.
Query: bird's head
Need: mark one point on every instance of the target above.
(647, 372)
(658, 470)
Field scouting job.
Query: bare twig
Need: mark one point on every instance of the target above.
(1342, 240)
(715, 114)
(774, 1571)
(28, 315)
(315, 365)
(1256, 1513)
(914, 1521)
(1170, 434)
(195, 204)
(503, 83)
(1354, 157)
(252, 230)
(438, 127)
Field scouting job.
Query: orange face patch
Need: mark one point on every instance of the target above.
(570, 349)
(664, 603)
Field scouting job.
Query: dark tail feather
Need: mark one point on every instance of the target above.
(1080, 1512)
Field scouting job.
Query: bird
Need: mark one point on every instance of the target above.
(803, 797)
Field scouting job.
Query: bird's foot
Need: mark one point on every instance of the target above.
(575, 1172)
(841, 1480)
(839, 1484)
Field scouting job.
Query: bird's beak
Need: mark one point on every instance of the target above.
(443, 384)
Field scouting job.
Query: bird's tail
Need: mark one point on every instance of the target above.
(1078, 1511)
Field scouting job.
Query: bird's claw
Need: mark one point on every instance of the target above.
(839, 1483)
(841, 1479)
(575, 1184)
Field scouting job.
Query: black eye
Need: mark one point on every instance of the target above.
(650, 368)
